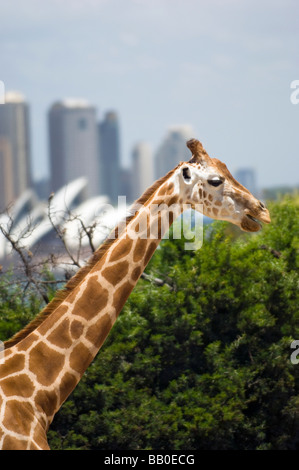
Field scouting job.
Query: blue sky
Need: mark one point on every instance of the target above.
(223, 66)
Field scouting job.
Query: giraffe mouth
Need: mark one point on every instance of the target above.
(250, 223)
(254, 220)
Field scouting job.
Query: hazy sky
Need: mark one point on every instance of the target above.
(222, 66)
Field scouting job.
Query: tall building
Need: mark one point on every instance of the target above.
(73, 143)
(110, 172)
(173, 149)
(15, 160)
(7, 193)
(125, 184)
(143, 170)
(247, 177)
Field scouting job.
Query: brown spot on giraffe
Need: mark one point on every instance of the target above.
(40, 439)
(170, 188)
(122, 249)
(224, 212)
(173, 200)
(162, 190)
(13, 443)
(67, 385)
(42, 354)
(80, 358)
(98, 332)
(93, 301)
(136, 273)
(171, 218)
(139, 249)
(12, 365)
(27, 342)
(46, 401)
(114, 274)
(121, 295)
(18, 416)
(76, 329)
(21, 386)
(61, 335)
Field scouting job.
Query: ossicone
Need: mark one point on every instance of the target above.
(199, 155)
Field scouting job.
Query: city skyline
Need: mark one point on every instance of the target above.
(224, 68)
(73, 131)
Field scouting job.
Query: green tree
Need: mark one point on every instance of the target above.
(202, 362)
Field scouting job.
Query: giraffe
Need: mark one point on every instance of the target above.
(44, 362)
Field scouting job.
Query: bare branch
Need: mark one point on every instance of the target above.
(25, 256)
(89, 232)
(34, 270)
(61, 233)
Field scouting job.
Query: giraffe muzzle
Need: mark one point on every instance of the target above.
(253, 223)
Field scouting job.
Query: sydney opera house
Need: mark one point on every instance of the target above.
(35, 223)
(67, 223)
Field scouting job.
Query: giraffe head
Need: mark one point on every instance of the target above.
(207, 181)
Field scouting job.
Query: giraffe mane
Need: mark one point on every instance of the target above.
(82, 272)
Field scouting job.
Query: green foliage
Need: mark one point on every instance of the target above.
(16, 307)
(202, 362)
(20, 302)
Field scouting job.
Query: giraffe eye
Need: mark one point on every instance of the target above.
(215, 181)
(186, 174)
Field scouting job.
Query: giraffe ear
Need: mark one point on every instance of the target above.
(199, 155)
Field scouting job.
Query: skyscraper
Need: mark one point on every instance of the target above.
(143, 171)
(7, 193)
(15, 161)
(110, 156)
(73, 142)
(247, 177)
(173, 149)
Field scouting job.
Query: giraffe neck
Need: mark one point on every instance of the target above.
(55, 355)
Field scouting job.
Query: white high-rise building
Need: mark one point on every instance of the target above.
(247, 177)
(109, 157)
(73, 141)
(15, 160)
(173, 149)
(143, 169)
